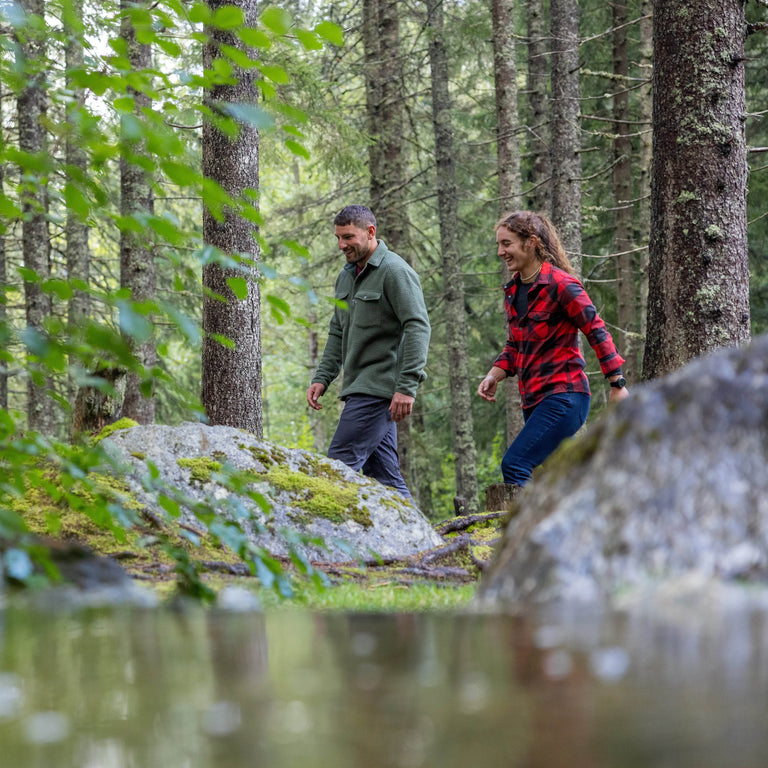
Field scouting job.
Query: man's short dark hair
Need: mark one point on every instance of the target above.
(358, 215)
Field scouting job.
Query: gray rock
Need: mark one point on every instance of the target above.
(237, 600)
(308, 495)
(671, 482)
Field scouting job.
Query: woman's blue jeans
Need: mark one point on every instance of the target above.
(547, 424)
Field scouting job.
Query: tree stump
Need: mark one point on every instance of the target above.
(100, 402)
(500, 497)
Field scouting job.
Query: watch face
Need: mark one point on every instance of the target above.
(619, 383)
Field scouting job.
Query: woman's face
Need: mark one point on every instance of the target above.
(519, 254)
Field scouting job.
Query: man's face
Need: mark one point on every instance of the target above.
(358, 244)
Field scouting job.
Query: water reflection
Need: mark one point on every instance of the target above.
(138, 689)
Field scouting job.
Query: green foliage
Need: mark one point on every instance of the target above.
(95, 108)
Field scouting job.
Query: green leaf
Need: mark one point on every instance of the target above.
(200, 13)
(279, 308)
(277, 19)
(76, 201)
(254, 37)
(275, 73)
(171, 47)
(180, 173)
(166, 228)
(61, 288)
(309, 40)
(228, 17)
(28, 275)
(297, 248)
(223, 340)
(242, 59)
(296, 148)
(8, 209)
(330, 32)
(250, 114)
(169, 505)
(119, 46)
(130, 127)
(238, 286)
(124, 104)
(132, 323)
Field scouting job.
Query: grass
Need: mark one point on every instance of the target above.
(385, 596)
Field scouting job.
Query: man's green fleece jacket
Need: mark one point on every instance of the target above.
(380, 334)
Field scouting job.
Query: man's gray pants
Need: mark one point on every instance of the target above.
(366, 438)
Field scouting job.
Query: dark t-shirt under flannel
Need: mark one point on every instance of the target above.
(542, 345)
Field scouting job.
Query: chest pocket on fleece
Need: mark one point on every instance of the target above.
(368, 310)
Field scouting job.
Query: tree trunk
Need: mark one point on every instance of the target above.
(539, 194)
(453, 277)
(508, 158)
(32, 105)
(3, 281)
(386, 122)
(646, 155)
(137, 266)
(622, 193)
(231, 376)
(566, 160)
(699, 278)
(76, 231)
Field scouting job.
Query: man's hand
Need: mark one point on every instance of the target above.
(401, 406)
(313, 393)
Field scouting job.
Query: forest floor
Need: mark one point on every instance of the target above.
(443, 577)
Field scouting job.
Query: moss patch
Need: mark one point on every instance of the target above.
(200, 469)
(266, 457)
(320, 496)
(112, 428)
(83, 518)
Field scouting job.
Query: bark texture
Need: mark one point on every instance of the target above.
(76, 230)
(385, 113)
(3, 281)
(508, 158)
(453, 277)
(566, 136)
(384, 86)
(539, 195)
(32, 106)
(137, 266)
(623, 241)
(231, 377)
(646, 155)
(699, 279)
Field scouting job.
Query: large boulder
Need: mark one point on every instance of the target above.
(306, 495)
(671, 482)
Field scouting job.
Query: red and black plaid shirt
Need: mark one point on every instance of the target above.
(542, 347)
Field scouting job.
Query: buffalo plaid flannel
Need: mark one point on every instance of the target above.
(542, 348)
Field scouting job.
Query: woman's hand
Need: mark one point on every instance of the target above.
(617, 394)
(487, 388)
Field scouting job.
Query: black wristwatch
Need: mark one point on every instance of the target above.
(620, 383)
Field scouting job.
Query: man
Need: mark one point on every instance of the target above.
(379, 336)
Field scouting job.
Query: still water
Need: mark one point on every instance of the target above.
(136, 688)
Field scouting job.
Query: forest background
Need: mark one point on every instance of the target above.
(439, 116)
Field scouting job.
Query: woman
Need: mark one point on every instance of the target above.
(546, 306)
